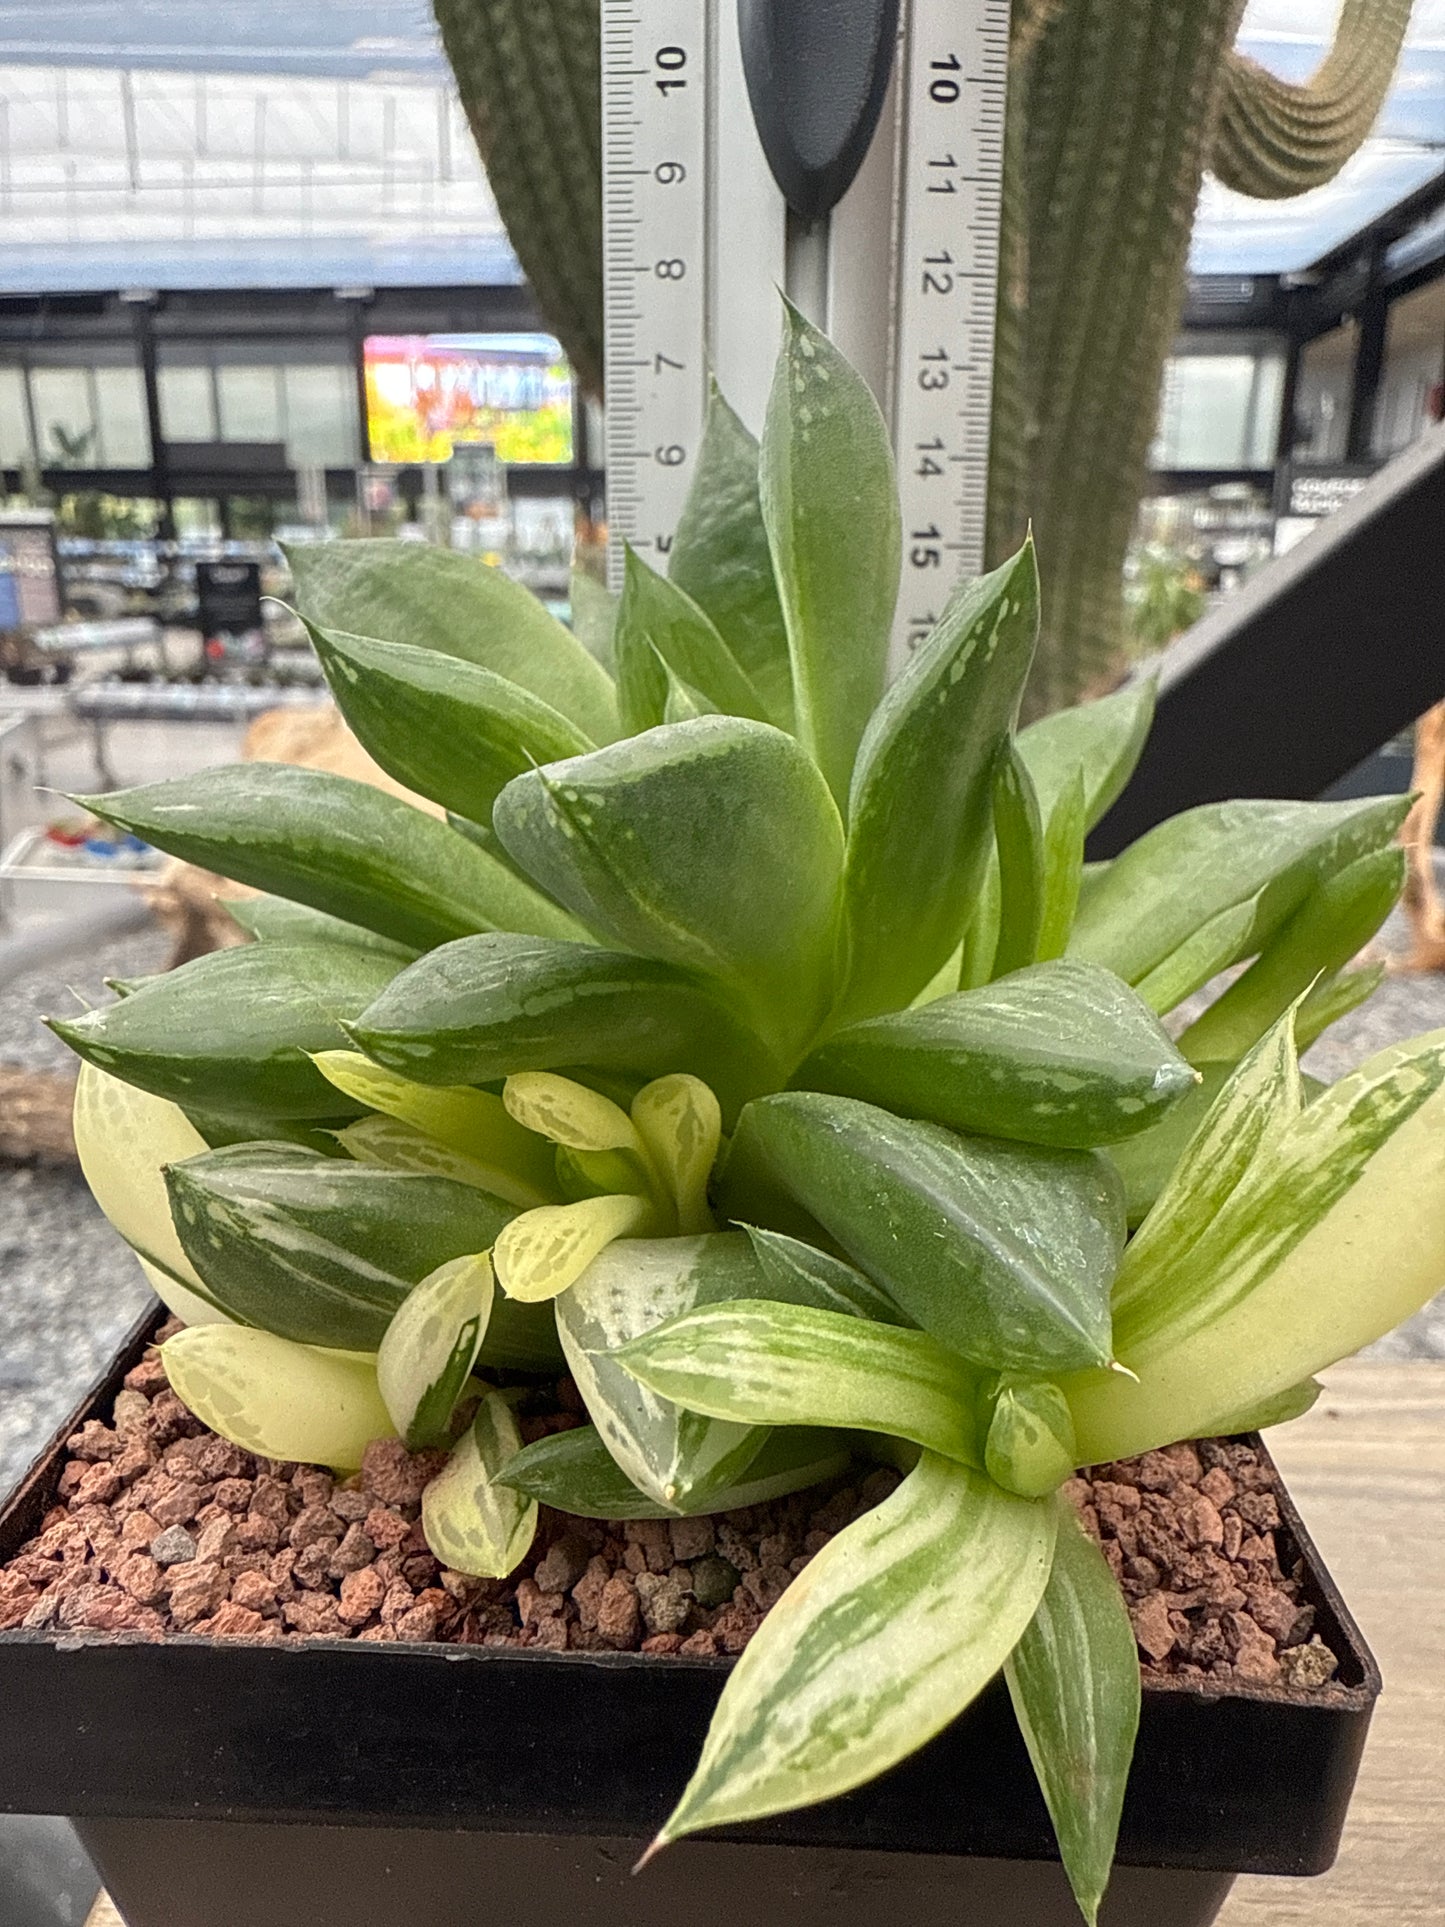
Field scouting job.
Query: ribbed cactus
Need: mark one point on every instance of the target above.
(529, 75)
(1116, 112)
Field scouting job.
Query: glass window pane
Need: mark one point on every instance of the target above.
(1219, 412)
(250, 404)
(1410, 396)
(1322, 397)
(14, 427)
(320, 415)
(188, 404)
(124, 437)
(63, 419)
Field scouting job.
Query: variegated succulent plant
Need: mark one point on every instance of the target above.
(756, 1039)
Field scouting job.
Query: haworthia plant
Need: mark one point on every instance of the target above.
(780, 1068)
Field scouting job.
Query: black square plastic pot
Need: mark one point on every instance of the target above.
(327, 1783)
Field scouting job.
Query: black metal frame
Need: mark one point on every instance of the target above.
(1354, 279)
(1304, 671)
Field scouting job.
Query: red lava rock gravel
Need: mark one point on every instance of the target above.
(159, 1527)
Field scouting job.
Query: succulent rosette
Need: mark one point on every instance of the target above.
(751, 1036)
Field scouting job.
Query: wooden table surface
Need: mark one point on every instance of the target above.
(1367, 1469)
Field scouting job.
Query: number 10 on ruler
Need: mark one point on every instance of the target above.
(655, 189)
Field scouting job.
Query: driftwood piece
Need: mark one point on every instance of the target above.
(35, 1116)
(1422, 900)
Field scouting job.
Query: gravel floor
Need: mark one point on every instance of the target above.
(69, 1288)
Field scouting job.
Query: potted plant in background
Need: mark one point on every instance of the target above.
(757, 1043)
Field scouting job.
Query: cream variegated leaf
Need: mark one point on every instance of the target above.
(538, 1255)
(761, 1363)
(474, 1524)
(1337, 1235)
(431, 1346)
(271, 1396)
(882, 1639)
(675, 1456)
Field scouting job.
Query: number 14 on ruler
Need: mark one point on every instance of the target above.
(901, 271)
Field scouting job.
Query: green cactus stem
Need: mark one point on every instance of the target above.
(1115, 115)
(529, 75)
(1275, 139)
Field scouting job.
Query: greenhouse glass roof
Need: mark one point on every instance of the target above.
(180, 144)
(1233, 235)
(291, 143)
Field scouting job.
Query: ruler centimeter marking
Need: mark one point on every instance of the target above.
(671, 104)
(654, 185)
(950, 179)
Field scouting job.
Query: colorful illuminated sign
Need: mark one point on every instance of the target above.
(425, 392)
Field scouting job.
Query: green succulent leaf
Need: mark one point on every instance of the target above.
(1060, 1054)
(473, 1523)
(674, 1456)
(1074, 1682)
(277, 920)
(1331, 1236)
(1336, 919)
(1214, 859)
(324, 1251)
(341, 846)
(447, 729)
(1214, 946)
(980, 938)
(684, 702)
(756, 1362)
(476, 1124)
(271, 1396)
(482, 1008)
(1334, 997)
(455, 604)
(884, 1638)
(830, 507)
(660, 629)
(1030, 1446)
(1064, 830)
(1099, 742)
(796, 1273)
(574, 1472)
(720, 557)
(919, 833)
(1019, 832)
(594, 618)
(1004, 1252)
(230, 1032)
(430, 1347)
(712, 845)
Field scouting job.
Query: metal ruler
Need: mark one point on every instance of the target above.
(902, 273)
